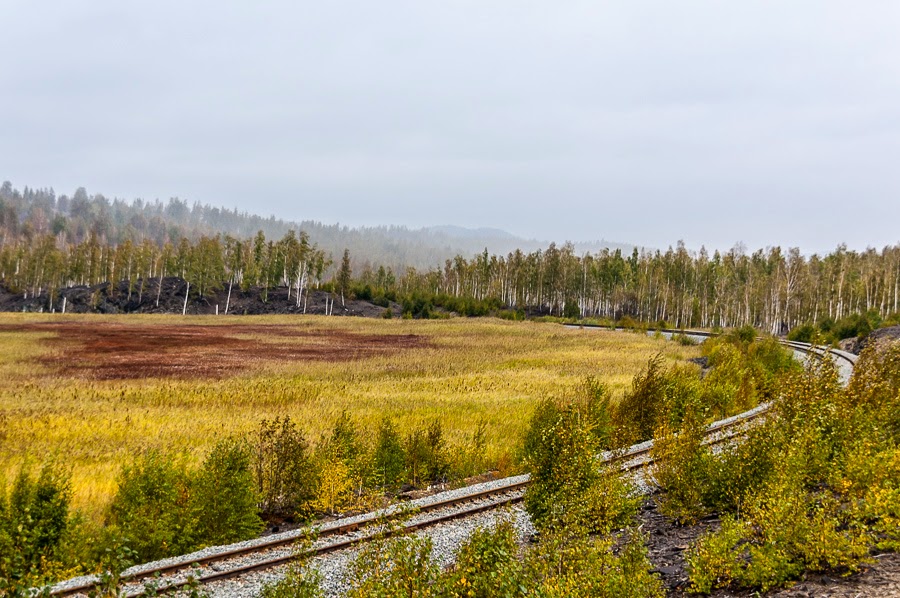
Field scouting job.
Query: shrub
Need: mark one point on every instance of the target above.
(224, 500)
(515, 315)
(486, 564)
(335, 482)
(33, 521)
(469, 458)
(569, 485)
(152, 507)
(390, 567)
(739, 468)
(579, 565)
(426, 454)
(389, 459)
(640, 410)
(345, 447)
(743, 373)
(681, 470)
(299, 582)
(713, 559)
(629, 323)
(872, 481)
(814, 484)
(284, 473)
(804, 333)
(656, 394)
(684, 340)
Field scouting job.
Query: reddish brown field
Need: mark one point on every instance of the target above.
(113, 351)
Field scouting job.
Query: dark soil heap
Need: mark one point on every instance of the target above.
(109, 299)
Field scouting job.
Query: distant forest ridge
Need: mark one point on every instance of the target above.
(113, 221)
(47, 249)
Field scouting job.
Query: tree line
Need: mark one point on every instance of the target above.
(772, 289)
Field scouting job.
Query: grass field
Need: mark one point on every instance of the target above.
(92, 391)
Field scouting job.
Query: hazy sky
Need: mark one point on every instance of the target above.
(638, 121)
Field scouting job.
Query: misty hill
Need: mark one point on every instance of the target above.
(76, 217)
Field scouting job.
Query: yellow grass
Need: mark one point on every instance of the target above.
(472, 370)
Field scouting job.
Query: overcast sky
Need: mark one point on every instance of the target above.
(637, 121)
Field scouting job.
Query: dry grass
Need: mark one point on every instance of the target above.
(464, 371)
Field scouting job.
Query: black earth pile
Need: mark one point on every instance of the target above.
(876, 337)
(116, 299)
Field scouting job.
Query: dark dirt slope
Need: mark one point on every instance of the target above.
(115, 300)
(882, 335)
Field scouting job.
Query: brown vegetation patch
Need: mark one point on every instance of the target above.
(109, 351)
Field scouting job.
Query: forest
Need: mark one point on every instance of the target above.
(49, 244)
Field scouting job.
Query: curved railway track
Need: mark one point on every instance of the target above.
(266, 553)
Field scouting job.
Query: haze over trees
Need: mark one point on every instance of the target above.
(48, 244)
(41, 211)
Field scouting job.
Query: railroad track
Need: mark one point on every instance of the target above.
(267, 553)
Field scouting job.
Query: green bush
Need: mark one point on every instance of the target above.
(301, 580)
(684, 340)
(515, 315)
(737, 469)
(224, 498)
(283, 469)
(657, 395)
(487, 565)
(162, 509)
(569, 484)
(629, 323)
(578, 565)
(152, 507)
(427, 460)
(33, 522)
(468, 458)
(804, 333)
(714, 558)
(391, 567)
(681, 470)
(389, 459)
(742, 373)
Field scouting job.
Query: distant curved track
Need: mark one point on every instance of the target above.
(266, 553)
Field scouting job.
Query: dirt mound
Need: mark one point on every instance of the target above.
(884, 335)
(881, 336)
(107, 351)
(168, 297)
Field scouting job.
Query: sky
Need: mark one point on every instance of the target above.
(640, 121)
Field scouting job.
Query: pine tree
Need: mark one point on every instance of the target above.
(344, 274)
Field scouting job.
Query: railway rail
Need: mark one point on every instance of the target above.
(266, 553)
